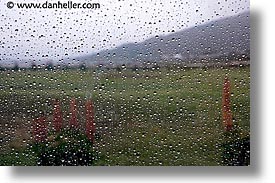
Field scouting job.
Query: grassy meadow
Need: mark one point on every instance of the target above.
(166, 116)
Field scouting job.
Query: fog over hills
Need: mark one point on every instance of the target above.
(217, 39)
(221, 40)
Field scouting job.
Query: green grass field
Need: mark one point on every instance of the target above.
(145, 117)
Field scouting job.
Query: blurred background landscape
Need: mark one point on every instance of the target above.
(154, 71)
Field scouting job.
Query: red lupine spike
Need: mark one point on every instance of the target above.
(40, 129)
(57, 116)
(90, 123)
(73, 110)
(226, 112)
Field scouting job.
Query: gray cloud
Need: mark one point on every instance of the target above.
(33, 34)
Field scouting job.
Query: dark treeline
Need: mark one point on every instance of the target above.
(226, 61)
(47, 67)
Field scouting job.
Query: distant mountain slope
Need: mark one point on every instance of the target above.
(211, 40)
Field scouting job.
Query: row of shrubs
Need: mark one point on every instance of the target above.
(64, 146)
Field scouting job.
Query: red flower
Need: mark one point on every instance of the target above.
(57, 116)
(40, 129)
(226, 112)
(90, 123)
(73, 110)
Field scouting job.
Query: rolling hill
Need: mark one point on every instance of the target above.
(224, 38)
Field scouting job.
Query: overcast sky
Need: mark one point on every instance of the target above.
(55, 34)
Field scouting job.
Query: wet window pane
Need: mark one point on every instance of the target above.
(143, 83)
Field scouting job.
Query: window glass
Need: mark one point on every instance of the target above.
(125, 82)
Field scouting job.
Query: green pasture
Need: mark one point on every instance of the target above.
(166, 116)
